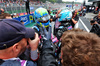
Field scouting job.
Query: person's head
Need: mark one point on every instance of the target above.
(80, 48)
(13, 38)
(75, 12)
(5, 16)
(42, 17)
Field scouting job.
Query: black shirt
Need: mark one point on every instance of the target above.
(96, 19)
(76, 18)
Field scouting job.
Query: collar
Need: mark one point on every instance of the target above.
(11, 59)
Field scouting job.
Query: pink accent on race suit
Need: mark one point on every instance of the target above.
(54, 40)
(70, 27)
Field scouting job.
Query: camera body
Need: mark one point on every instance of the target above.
(92, 21)
(95, 29)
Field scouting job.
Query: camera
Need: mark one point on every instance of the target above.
(92, 21)
(95, 29)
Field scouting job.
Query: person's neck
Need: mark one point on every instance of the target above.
(6, 55)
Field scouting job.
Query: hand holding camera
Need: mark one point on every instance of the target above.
(34, 43)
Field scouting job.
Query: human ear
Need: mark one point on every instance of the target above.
(16, 47)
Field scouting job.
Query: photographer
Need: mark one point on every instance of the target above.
(95, 27)
(75, 18)
(95, 22)
(14, 41)
(97, 18)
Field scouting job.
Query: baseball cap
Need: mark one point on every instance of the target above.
(12, 31)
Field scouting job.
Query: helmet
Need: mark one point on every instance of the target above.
(65, 15)
(41, 15)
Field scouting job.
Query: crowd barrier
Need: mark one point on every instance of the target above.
(27, 19)
(19, 9)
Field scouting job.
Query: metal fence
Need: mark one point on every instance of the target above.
(19, 9)
(16, 8)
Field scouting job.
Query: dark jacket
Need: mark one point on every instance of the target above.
(47, 54)
(76, 18)
(47, 57)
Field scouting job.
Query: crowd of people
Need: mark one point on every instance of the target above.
(19, 3)
(21, 46)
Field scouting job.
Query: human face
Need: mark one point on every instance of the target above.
(23, 46)
(76, 12)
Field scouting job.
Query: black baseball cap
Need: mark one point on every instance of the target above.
(12, 31)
